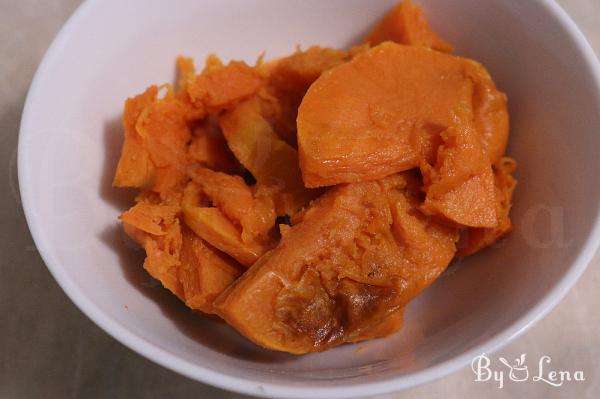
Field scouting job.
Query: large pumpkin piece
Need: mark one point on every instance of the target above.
(358, 256)
(397, 107)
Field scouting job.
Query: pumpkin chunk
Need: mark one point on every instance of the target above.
(360, 253)
(157, 230)
(205, 272)
(135, 168)
(473, 240)
(460, 187)
(298, 71)
(307, 200)
(235, 199)
(380, 113)
(406, 24)
(155, 149)
(222, 86)
(164, 127)
(213, 226)
(271, 161)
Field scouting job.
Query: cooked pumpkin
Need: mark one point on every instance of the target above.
(209, 148)
(406, 24)
(214, 227)
(157, 229)
(460, 186)
(255, 215)
(204, 272)
(287, 80)
(307, 200)
(473, 240)
(221, 86)
(272, 161)
(381, 113)
(360, 253)
(135, 169)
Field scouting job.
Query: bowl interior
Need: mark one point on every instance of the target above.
(71, 139)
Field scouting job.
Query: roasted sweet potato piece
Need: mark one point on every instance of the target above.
(271, 160)
(406, 24)
(235, 199)
(381, 113)
(156, 228)
(214, 227)
(475, 239)
(205, 272)
(360, 253)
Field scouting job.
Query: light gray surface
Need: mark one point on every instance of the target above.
(49, 349)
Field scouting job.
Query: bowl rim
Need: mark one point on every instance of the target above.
(262, 388)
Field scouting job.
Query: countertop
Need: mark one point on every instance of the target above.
(49, 349)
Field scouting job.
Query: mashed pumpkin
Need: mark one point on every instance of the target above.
(308, 199)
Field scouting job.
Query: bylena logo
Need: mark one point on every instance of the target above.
(518, 371)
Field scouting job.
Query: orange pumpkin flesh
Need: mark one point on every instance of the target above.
(204, 272)
(361, 252)
(460, 186)
(157, 229)
(344, 262)
(298, 71)
(209, 148)
(378, 114)
(135, 168)
(406, 24)
(220, 87)
(382, 112)
(185, 264)
(473, 240)
(271, 160)
(402, 103)
(234, 198)
(215, 228)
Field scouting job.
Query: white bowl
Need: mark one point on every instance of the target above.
(71, 138)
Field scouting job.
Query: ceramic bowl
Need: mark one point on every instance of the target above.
(71, 137)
